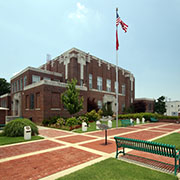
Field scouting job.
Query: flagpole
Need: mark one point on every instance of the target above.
(117, 84)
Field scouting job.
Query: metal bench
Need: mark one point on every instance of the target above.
(150, 147)
(153, 119)
(126, 122)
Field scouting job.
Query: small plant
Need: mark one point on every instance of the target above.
(100, 112)
(107, 110)
(92, 116)
(60, 122)
(82, 119)
(15, 127)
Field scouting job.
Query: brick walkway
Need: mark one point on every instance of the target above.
(63, 152)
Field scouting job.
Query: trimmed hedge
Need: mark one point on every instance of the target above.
(15, 127)
(146, 116)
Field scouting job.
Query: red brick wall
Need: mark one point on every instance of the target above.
(2, 116)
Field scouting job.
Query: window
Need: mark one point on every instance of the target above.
(123, 107)
(25, 81)
(55, 100)
(27, 102)
(35, 78)
(12, 88)
(31, 101)
(57, 80)
(99, 104)
(21, 83)
(17, 85)
(46, 78)
(90, 81)
(81, 82)
(99, 83)
(3, 103)
(108, 85)
(38, 100)
(150, 106)
(123, 89)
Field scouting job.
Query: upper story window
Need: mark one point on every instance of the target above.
(12, 87)
(21, 84)
(46, 78)
(123, 89)
(90, 81)
(35, 78)
(99, 83)
(25, 81)
(108, 85)
(17, 85)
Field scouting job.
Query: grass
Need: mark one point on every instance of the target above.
(4, 140)
(173, 139)
(113, 169)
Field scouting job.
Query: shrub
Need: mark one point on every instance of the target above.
(92, 116)
(50, 121)
(100, 112)
(82, 119)
(16, 127)
(71, 122)
(60, 122)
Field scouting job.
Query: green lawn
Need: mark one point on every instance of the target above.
(113, 169)
(11, 140)
(173, 139)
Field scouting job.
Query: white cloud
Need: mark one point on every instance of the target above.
(80, 13)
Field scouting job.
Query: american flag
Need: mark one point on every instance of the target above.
(119, 21)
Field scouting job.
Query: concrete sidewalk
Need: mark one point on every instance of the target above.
(63, 152)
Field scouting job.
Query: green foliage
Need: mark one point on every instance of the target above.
(60, 122)
(107, 110)
(72, 122)
(50, 121)
(70, 98)
(146, 116)
(15, 127)
(92, 116)
(160, 106)
(100, 112)
(5, 87)
(82, 119)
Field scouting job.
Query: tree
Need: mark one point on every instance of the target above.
(70, 98)
(159, 105)
(139, 106)
(5, 87)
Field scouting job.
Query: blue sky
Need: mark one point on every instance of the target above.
(29, 29)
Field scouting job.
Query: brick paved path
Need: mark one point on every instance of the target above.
(63, 152)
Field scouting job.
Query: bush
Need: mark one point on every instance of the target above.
(60, 122)
(92, 116)
(147, 116)
(50, 121)
(71, 122)
(82, 119)
(16, 127)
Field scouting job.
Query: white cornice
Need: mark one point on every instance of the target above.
(52, 83)
(105, 92)
(5, 95)
(36, 70)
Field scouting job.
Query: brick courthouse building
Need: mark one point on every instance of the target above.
(36, 92)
